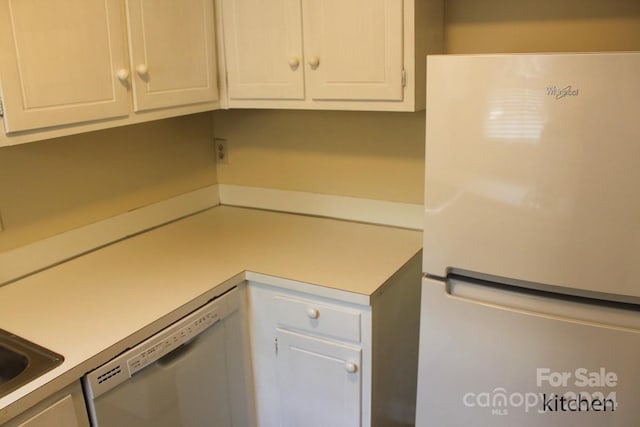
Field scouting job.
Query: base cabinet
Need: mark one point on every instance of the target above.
(321, 380)
(65, 408)
(319, 359)
(309, 370)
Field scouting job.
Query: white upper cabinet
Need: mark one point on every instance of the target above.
(172, 49)
(353, 49)
(329, 54)
(43, 81)
(264, 55)
(64, 66)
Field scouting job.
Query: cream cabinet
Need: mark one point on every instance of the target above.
(65, 408)
(172, 50)
(60, 61)
(333, 54)
(71, 66)
(263, 48)
(321, 358)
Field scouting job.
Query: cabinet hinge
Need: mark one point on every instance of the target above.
(404, 77)
(275, 345)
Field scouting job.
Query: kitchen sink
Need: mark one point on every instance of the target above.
(22, 361)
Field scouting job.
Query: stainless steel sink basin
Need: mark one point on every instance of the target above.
(22, 361)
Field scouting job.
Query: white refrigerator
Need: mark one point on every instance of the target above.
(530, 310)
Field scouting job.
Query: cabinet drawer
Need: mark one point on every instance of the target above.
(318, 318)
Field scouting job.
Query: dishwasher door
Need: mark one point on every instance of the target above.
(178, 377)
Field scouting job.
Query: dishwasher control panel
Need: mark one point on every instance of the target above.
(165, 343)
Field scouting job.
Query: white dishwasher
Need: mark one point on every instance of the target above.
(178, 377)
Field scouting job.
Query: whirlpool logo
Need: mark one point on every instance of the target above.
(559, 93)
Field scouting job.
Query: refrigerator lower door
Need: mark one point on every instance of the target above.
(497, 356)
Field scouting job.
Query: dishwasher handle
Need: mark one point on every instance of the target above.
(172, 339)
(178, 354)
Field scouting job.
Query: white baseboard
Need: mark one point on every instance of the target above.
(44, 253)
(406, 215)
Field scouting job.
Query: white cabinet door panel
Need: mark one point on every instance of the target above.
(65, 408)
(320, 381)
(61, 413)
(59, 62)
(264, 49)
(172, 47)
(353, 49)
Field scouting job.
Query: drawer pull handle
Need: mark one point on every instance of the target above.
(351, 367)
(313, 313)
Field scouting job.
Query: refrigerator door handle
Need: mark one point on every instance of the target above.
(547, 304)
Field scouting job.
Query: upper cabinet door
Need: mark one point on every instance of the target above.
(353, 49)
(60, 62)
(172, 47)
(263, 42)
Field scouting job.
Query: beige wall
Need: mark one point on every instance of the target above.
(473, 26)
(52, 186)
(369, 155)
(380, 155)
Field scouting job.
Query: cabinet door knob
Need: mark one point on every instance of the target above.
(314, 61)
(123, 75)
(313, 313)
(294, 62)
(351, 367)
(142, 70)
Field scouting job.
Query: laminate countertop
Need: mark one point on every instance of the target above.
(93, 307)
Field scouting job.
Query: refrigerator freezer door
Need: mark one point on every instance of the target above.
(495, 357)
(532, 169)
